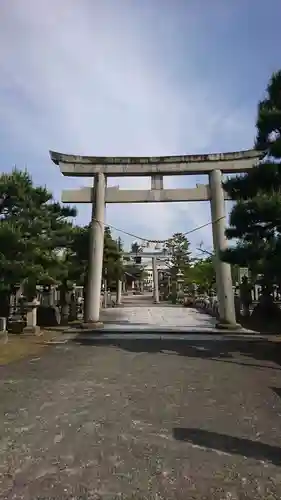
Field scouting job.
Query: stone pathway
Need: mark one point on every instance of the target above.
(158, 317)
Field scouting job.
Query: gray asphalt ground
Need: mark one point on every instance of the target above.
(143, 419)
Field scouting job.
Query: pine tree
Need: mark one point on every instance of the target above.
(112, 262)
(177, 248)
(137, 250)
(203, 274)
(33, 228)
(255, 220)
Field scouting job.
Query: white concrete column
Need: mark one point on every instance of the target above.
(155, 281)
(119, 293)
(93, 298)
(223, 270)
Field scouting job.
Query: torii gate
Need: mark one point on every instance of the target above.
(154, 256)
(155, 167)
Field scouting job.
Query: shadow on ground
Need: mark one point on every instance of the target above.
(277, 391)
(229, 444)
(255, 353)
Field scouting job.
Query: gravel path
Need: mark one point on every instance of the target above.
(142, 420)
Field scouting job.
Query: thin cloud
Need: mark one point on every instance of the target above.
(84, 77)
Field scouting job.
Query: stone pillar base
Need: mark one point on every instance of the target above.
(221, 325)
(32, 330)
(92, 325)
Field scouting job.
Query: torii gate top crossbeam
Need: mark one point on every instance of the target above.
(87, 166)
(147, 255)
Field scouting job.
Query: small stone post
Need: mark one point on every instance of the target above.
(31, 317)
(3, 330)
(3, 324)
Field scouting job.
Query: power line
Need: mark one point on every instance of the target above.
(147, 240)
(204, 251)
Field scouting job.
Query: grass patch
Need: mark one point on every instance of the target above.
(22, 346)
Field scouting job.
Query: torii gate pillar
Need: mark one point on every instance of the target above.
(119, 293)
(227, 318)
(93, 295)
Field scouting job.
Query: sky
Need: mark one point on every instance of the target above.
(133, 77)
